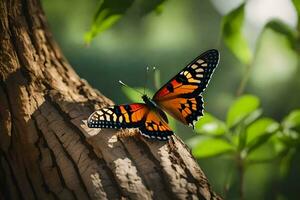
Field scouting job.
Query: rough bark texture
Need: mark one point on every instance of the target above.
(47, 151)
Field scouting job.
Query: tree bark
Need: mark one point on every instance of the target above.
(46, 149)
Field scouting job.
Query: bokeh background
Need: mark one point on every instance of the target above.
(170, 39)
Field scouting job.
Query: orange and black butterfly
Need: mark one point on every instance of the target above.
(180, 97)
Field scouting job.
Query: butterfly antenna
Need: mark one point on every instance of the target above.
(146, 79)
(125, 85)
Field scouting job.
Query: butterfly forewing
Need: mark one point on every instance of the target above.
(180, 97)
(137, 115)
(122, 116)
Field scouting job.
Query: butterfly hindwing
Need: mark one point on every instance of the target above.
(155, 127)
(181, 96)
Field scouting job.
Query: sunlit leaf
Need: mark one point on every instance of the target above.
(108, 13)
(147, 6)
(210, 125)
(252, 117)
(241, 108)
(111, 11)
(259, 132)
(290, 134)
(292, 121)
(208, 147)
(290, 137)
(233, 35)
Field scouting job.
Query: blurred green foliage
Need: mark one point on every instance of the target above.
(246, 144)
(110, 11)
(233, 35)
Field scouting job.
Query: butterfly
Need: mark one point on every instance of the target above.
(180, 97)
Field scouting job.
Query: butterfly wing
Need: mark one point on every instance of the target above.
(155, 127)
(137, 115)
(181, 96)
(122, 116)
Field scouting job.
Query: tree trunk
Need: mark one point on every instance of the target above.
(46, 149)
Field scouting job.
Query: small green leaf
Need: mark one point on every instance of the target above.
(157, 82)
(261, 127)
(210, 125)
(283, 29)
(263, 154)
(241, 108)
(290, 137)
(252, 117)
(108, 13)
(133, 95)
(233, 35)
(147, 6)
(297, 6)
(208, 147)
(259, 132)
(292, 121)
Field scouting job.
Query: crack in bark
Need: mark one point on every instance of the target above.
(149, 154)
(13, 175)
(53, 159)
(135, 164)
(3, 182)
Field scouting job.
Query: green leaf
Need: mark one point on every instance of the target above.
(292, 121)
(263, 154)
(210, 125)
(111, 11)
(275, 48)
(241, 108)
(282, 28)
(233, 35)
(108, 13)
(297, 6)
(208, 147)
(259, 132)
(252, 117)
(157, 82)
(146, 6)
(290, 137)
(133, 95)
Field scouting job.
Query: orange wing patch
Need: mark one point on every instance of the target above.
(155, 127)
(186, 110)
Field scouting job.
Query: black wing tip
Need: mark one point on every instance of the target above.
(215, 51)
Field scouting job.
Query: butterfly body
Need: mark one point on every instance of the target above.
(152, 105)
(180, 97)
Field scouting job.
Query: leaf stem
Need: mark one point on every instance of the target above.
(244, 80)
(241, 171)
